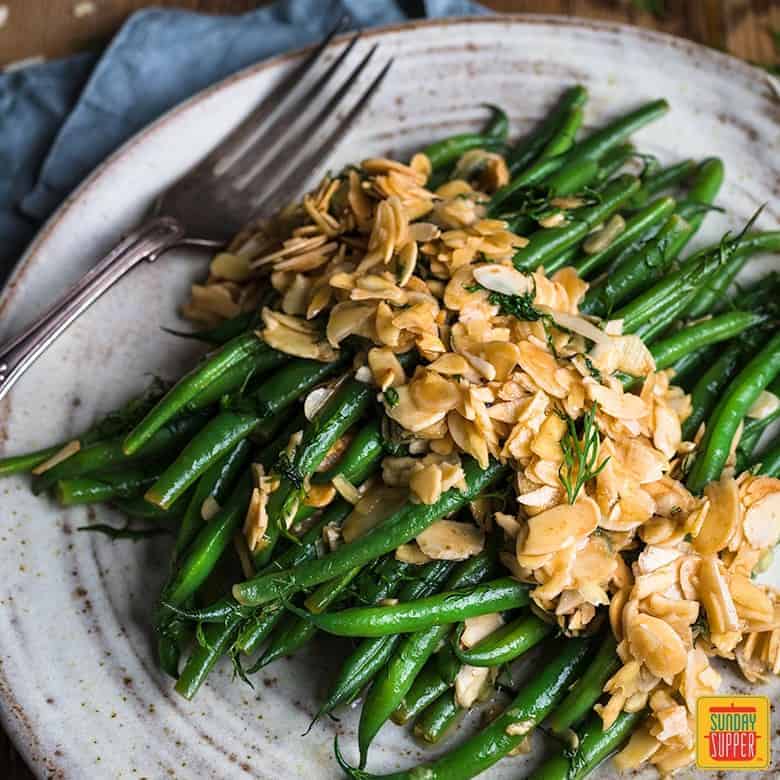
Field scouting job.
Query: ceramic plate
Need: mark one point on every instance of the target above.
(81, 694)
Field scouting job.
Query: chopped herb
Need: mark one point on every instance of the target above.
(594, 372)
(520, 306)
(391, 397)
(472, 288)
(125, 532)
(286, 468)
(580, 453)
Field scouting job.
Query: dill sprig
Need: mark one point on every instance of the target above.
(580, 453)
(125, 532)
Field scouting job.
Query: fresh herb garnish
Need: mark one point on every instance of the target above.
(391, 396)
(580, 453)
(125, 532)
(287, 469)
(594, 372)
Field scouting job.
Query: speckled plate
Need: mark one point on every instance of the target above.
(80, 692)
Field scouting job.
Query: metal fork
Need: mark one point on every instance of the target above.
(284, 139)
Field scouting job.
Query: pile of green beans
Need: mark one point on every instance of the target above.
(180, 459)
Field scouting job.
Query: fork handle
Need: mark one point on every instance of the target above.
(146, 243)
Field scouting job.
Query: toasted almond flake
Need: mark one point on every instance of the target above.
(560, 527)
(553, 220)
(345, 489)
(722, 519)
(315, 400)
(448, 540)
(502, 279)
(578, 324)
(235, 268)
(762, 522)
(411, 553)
(599, 240)
(469, 684)
(764, 405)
(209, 508)
(65, 452)
(477, 628)
(657, 645)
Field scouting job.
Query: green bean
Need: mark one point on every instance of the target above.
(449, 150)
(722, 327)
(612, 161)
(177, 636)
(395, 679)
(438, 718)
(529, 708)
(545, 244)
(217, 638)
(224, 331)
(692, 365)
(563, 138)
(198, 379)
(529, 149)
(751, 435)
(444, 608)
(715, 290)
(228, 428)
(404, 524)
(739, 397)
(770, 461)
(213, 485)
(591, 148)
(646, 266)
(637, 227)
(704, 189)
(506, 643)
(109, 454)
(762, 292)
(594, 746)
(114, 423)
(371, 588)
(588, 689)
(294, 632)
(104, 486)
(339, 413)
(708, 389)
(233, 381)
(572, 179)
(660, 180)
(372, 655)
(207, 547)
(657, 299)
(427, 687)
(19, 464)
(361, 453)
(258, 628)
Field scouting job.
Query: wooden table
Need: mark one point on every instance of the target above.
(54, 28)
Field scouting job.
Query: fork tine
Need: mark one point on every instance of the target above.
(292, 182)
(257, 149)
(233, 142)
(298, 140)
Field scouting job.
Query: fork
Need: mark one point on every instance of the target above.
(279, 141)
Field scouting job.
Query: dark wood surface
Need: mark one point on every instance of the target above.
(54, 28)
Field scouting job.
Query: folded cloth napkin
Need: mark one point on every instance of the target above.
(59, 119)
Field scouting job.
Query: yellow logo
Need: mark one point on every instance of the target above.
(732, 732)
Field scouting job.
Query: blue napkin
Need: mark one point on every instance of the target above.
(59, 119)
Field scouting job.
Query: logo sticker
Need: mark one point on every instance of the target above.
(732, 732)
